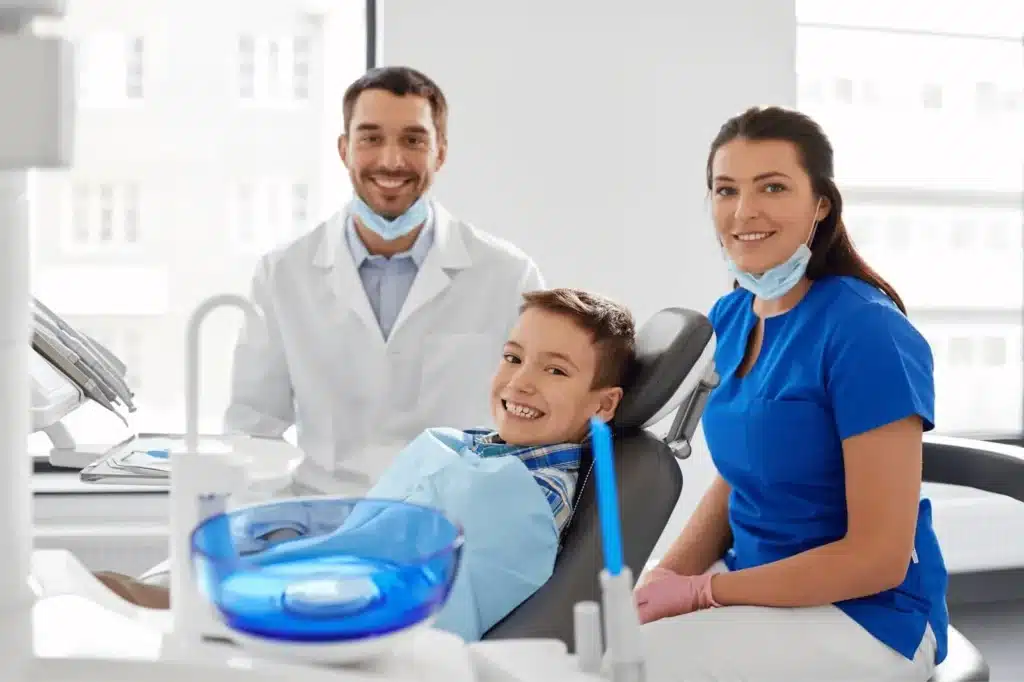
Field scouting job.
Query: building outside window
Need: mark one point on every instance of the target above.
(176, 191)
(111, 69)
(922, 103)
(102, 216)
(274, 69)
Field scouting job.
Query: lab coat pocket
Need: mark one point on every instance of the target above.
(455, 378)
(794, 442)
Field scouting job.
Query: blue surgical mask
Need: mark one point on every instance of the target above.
(390, 230)
(777, 281)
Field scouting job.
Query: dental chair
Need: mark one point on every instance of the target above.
(989, 467)
(675, 369)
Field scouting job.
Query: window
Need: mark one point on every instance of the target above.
(931, 96)
(993, 351)
(111, 69)
(930, 159)
(274, 69)
(991, 98)
(268, 212)
(844, 90)
(300, 208)
(302, 54)
(173, 202)
(247, 67)
(102, 216)
(134, 69)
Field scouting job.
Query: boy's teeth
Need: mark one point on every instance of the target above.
(522, 410)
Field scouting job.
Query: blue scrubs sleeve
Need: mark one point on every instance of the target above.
(879, 370)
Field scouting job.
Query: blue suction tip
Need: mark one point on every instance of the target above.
(607, 495)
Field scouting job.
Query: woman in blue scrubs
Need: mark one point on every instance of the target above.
(812, 555)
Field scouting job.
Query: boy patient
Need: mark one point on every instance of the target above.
(565, 360)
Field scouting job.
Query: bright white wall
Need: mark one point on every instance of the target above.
(579, 131)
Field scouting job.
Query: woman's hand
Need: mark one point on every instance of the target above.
(656, 573)
(668, 594)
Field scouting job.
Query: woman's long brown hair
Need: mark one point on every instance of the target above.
(832, 250)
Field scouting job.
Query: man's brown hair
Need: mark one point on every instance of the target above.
(399, 81)
(610, 325)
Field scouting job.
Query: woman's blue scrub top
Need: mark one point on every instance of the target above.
(844, 361)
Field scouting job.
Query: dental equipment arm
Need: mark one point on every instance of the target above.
(56, 404)
(54, 397)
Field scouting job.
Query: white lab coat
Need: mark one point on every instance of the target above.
(320, 359)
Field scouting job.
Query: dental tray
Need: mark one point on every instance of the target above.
(145, 460)
(325, 571)
(141, 460)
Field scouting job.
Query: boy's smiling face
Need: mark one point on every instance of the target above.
(543, 391)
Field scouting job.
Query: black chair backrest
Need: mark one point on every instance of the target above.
(989, 467)
(649, 480)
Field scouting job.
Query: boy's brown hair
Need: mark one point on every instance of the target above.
(610, 324)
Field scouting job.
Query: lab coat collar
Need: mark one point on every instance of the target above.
(451, 250)
(418, 252)
(447, 254)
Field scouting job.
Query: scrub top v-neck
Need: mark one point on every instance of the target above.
(842, 362)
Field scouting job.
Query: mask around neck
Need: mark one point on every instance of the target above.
(390, 230)
(775, 282)
(778, 281)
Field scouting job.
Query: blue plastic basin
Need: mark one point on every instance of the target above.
(326, 570)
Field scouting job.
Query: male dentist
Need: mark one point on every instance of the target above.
(388, 318)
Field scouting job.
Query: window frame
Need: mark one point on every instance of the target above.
(263, 192)
(128, 68)
(961, 512)
(119, 246)
(41, 465)
(902, 196)
(287, 68)
(863, 195)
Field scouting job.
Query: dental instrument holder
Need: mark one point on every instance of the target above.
(54, 397)
(621, 622)
(200, 485)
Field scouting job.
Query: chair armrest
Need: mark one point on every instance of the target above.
(989, 467)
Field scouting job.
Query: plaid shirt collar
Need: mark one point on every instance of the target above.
(557, 456)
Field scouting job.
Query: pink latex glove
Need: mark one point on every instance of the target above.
(652, 575)
(673, 595)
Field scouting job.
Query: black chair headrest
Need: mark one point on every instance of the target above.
(669, 347)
